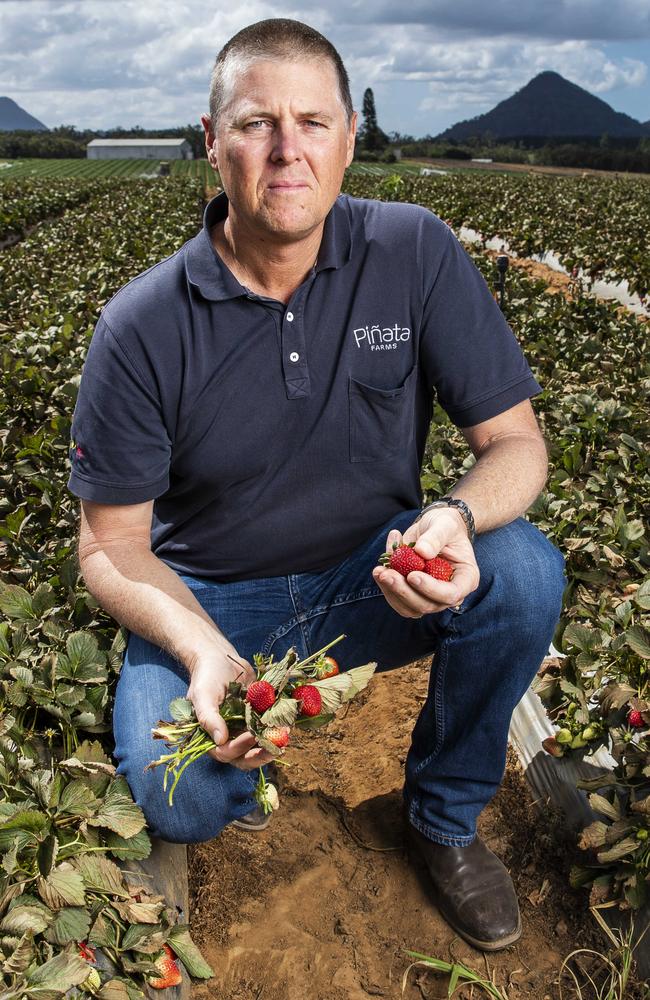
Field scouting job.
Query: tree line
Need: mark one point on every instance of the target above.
(373, 144)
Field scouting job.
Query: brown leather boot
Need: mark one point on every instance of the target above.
(473, 890)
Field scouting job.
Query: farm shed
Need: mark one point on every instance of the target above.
(139, 149)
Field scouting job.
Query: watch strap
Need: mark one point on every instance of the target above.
(462, 509)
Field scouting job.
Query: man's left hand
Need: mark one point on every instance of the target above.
(440, 532)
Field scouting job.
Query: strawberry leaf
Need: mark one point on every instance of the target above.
(134, 848)
(72, 923)
(182, 710)
(359, 677)
(119, 813)
(100, 874)
(64, 886)
(282, 713)
(189, 954)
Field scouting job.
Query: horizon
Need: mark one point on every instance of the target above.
(120, 65)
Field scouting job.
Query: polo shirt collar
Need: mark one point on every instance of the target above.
(216, 282)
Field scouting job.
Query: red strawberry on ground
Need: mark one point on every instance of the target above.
(309, 698)
(439, 568)
(260, 696)
(403, 559)
(278, 735)
(86, 952)
(635, 719)
(170, 974)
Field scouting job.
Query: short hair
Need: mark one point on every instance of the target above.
(275, 38)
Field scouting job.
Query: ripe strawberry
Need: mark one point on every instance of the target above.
(403, 559)
(439, 568)
(278, 735)
(330, 668)
(260, 696)
(86, 952)
(309, 698)
(170, 974)
(635, 719)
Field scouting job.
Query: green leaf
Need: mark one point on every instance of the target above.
(137, 937)
(46, 854)
(359, 678)
(100, 873)
(83, 650)
(34, 823)
(586, 639)
(64, 886)
(634, 530)
(72, 923)
(77, 799)
(282, 713)
(189, 954)
(50, 980)
(642, 595)
(43, 599)
(22, 674)
(26, 917)
(103, 933)
(129, 848)
(119, 813)
(16, 603)
(182, 710)
(139, 913)
(22, 956)
(638, 639)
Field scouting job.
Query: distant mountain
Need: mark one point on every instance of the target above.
(549, 106)
(13, 117)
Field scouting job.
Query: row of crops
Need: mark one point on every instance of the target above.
(598, 224)
(138, 168)
(65, 817)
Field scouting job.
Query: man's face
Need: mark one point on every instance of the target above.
(281, 146)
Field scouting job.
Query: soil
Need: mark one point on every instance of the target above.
(323, 903)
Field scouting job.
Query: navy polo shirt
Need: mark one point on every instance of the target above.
(274, 439)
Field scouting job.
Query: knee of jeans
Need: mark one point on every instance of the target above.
(530, 572)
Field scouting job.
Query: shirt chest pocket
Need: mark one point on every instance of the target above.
(381, 420)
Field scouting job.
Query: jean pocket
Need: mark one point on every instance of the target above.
(381, 420)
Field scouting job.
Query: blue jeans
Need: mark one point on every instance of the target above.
(484, 656)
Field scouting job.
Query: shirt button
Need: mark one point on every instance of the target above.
(290, 318)
(294, 357)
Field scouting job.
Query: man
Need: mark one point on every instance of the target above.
(251, 424)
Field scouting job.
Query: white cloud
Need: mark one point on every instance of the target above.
(99, 64)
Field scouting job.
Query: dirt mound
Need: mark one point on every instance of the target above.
(322, 904)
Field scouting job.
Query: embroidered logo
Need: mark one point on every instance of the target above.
(381, 338)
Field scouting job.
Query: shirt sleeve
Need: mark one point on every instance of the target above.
(120, 450)
(470, 354)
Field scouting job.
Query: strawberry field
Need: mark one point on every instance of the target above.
(66, 819)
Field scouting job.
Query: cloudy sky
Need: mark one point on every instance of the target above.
(104, 63)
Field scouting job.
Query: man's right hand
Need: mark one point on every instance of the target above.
(211, 674)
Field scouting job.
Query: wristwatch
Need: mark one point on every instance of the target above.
(462, 509)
